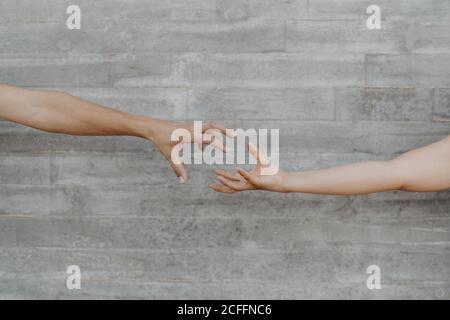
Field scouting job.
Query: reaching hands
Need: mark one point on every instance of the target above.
(160, 131)
(241, 180)
(422, 170)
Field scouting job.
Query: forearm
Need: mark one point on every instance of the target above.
(59, 112)
(426, 169)
(360, 178)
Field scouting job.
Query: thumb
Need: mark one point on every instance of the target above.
(176, 163)
(249, 177)
(180, 171)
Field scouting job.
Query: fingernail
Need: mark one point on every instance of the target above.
(182, 180)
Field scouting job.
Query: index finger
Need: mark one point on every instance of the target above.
(218, 126)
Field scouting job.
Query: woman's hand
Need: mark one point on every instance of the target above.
(242, 180)
(426, 169)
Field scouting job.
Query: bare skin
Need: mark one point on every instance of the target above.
(422, 170)
(58, 112)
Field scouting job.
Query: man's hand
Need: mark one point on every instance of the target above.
(160, 132)
(59, 112)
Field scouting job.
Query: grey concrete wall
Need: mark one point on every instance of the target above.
(339, 93)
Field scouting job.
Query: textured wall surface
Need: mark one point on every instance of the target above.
(339, 93)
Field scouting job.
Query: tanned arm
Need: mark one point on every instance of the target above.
(59, 112)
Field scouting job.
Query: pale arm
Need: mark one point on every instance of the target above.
(422, 170)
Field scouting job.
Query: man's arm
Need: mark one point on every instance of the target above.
(422, 170)
(59, 112)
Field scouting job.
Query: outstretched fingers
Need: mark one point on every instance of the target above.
(238, 186)
(247, 176)
(226, 174)
(214, 125)
(221, 188)
(179, 169)
(211, 137)
(261, 159)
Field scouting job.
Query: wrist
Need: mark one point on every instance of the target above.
(283, 184)
(144, 127)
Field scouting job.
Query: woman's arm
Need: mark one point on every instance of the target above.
(423, 170)
(59, 112)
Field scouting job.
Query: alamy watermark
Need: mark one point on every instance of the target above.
(73, 22)
(374, 280)
(73, 281)
(374, 20)
(251, 143)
